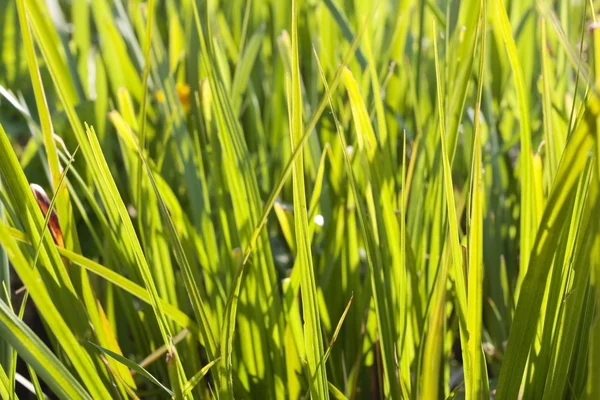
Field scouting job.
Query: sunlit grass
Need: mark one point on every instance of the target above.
(291, 199)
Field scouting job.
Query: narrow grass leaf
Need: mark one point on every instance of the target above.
(133, 366)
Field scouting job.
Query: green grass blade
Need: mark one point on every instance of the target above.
(527, 313)
(313, 338)
(5, 349)
(139, 292)
(573, 298)
(133, 366)
(455, 246)
(528, 213)
(4, 384)
(96, 161)
(478, 378)
(63, 208)
(194, 380)
(35, 352)
(190, 283)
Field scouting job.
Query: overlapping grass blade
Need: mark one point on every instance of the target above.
(527, 313)
(133, 366)
(313, 338)
(65, 296)
(118, 280)
(35, 352)
(194, 380)
(374, 236)
(573, 296)
(478, 379)
(96, 161)
(454, 234)
(529, 215)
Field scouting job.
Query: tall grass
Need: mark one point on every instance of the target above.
(291, 199)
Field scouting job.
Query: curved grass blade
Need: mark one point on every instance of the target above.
(35, 353)
(194, 380)
(190, 282)
(133, 366)
(98, 167)
(232, 304)
(526, 316)
(113, 277)
(573, 298)
(383, 293)
(52, 301)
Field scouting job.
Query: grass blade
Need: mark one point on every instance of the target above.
(133, 366)
(35, 352)
(313, 338)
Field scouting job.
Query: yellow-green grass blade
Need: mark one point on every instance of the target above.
(113, 47)
(377, 233)
(145, 75)
(36, 383)
(102, 330)
(194, 380)
(593, 384)
(313, 338)
(61, 195)
(118, 280)
(571, 52)
(371, 248)
(37, 14)
(241, 77)
(21, 338)
(4, 384)
(553, 152)
(12, 368)
(454, 234)
(335, 392)
(478, 380)
(310, 126)
(56, 296)
(342, 21)
(21, 198)
(572, 298)
(34, 352)
(529, 215)
(63, 207)
(526, 316)
(429, 378)
(232, 304)
(242, 181)
(465, 54)
(5, 349)
(178, 220)
(104, 181)
(113, 200)
(133, 366)
(336, 332)
(391, 384)
(189, 280)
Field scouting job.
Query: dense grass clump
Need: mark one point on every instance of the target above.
(283, 199)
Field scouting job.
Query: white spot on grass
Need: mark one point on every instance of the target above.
(319, 220)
